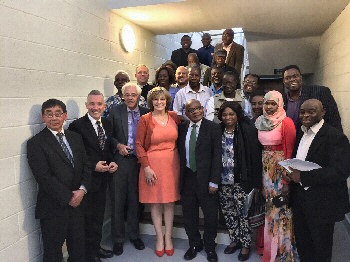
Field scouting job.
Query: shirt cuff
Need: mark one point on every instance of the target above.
(211, 184)
(83, 188)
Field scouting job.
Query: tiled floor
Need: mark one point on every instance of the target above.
(341, 250)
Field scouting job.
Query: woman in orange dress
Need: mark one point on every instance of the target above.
(160, 167)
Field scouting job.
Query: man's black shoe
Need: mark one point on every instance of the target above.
(212, 256)
(191, 253)
(95, 259)
(138, 243)
(118, 249)
(231, 250)
(103, 253)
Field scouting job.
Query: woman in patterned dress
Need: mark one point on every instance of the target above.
(276, 133)
(242, 169)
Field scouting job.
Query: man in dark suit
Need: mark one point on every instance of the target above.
(179, 56)
(142, 76)
(235, 52)
(320, 196)
(96, 133)
(125, 194)
(298, 93)
(199, 146)
(58, 161)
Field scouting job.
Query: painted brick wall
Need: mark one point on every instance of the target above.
(62, 49)
(332, 66)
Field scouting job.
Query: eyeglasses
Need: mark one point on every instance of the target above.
(130, 95)
(248, 82)
(192, 110)
(56, 114)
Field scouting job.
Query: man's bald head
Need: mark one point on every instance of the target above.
(311, 112)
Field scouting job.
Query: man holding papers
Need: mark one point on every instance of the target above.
(319, 196)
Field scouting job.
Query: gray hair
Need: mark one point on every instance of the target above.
(138, 88)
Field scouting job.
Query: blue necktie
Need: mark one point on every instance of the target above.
(65, 148)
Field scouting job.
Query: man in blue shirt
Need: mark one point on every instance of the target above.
(206, 52)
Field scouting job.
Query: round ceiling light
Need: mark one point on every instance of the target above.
(128, 38)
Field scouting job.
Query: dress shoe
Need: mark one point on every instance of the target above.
(212, 256)
(191, 253)
(138, 243)
(232, 249)
(243, 257)
(160, 253)
(170, 252)
(118, 249)
(103, 253)
(94, 259)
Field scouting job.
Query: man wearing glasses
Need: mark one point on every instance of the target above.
(58, 161)
(298, 93)
(250, 84)
(199, 145)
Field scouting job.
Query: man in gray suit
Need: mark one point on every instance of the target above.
(125, 195)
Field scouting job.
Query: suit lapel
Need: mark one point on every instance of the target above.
(124, 118)
(54, 144)
(92, 132)
(202, 131)
(318, 140)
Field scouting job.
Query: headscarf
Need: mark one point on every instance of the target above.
(267, 122)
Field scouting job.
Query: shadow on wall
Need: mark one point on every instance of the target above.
(108, 86)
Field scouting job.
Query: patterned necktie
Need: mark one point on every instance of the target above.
(65, 148)
(135, 121)
(193, 140)
(100, 135)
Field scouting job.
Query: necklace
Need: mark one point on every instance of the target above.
(230, 133)
(161, 119)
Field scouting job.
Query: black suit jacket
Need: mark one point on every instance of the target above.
(84, 127)
(208, 154)
(119, 120)
(56, 176)
(145, 89)
(179, 56)
(323, 94)
(327, 199)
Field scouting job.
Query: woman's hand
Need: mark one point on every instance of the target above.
(150, 176)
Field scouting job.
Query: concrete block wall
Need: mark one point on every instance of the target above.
(62, 49)
(332, 66)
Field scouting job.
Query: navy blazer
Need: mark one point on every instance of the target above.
(208, 154)
(327, 199)
(84, 127)
(56, 176)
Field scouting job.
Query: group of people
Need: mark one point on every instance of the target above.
(208, 146)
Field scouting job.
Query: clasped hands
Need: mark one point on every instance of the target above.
(102, 166)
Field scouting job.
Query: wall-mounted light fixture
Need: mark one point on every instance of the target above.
(128, 38)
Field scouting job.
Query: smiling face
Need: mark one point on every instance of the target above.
(229, 85)
(131, 97)
(292, 80)
(206, 40)
(163, 79)
(95, 105)
(120, 80)
(159, 103)
(250, 84)
(270, 107)
(194, 111)
(142, 75)
(229, 117)
(311, 112)
(54, 118)
(194, 77)
(216, 76)
(181, 76)
(186, 42)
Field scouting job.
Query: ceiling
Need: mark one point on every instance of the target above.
(269, 19)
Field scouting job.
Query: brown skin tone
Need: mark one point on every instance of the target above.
(311, 113)
(120, 80)
(293, 81)
(163, 79)
(250, 84)
(195, 112)
(229, 86)
(227, 37)
(220, 60)
(206, 40)
(270, 107)
(192, 59)
(230, 119)
(194, 78)
(257, 106)
(216, 77)
(186, 43)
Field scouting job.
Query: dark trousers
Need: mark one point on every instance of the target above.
(95, 203)
(69, 227)
(125, 198)
(191, 201)
(314, 240)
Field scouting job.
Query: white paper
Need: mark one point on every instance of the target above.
(300, 165)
